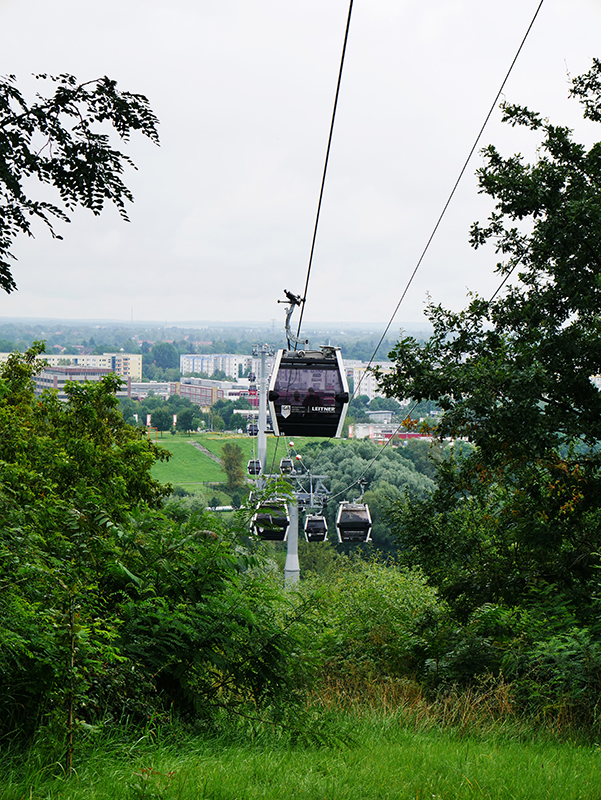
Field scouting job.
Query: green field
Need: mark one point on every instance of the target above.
(379, 758)
(190, 468)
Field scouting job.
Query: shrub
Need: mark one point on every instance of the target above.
(371, 611)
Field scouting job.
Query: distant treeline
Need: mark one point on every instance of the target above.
(356, 344)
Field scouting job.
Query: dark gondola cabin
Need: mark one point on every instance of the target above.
(254, 466)
(287, 466)
(353, 522)
(316, 528)
(271, 521)
(308, 393)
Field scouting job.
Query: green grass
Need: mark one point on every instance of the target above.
(388, 761)
(189, 467)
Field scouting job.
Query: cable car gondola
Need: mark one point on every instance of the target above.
(316, 528)
(308, 393)
(287, 466)
(353, 522)
(271, 521)
(254, 466)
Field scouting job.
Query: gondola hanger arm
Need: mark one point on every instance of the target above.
(292, 302)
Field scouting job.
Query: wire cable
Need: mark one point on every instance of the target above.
(325, 169)
(453, 190)
(425, 250)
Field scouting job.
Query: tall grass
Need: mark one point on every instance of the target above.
(488, 709)
(385, 757)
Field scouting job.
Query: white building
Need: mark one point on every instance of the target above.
(128, 365)
(55, 378)
(364, 380)
(232, 365)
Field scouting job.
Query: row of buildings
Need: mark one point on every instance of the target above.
(359, 376)
(203, 392)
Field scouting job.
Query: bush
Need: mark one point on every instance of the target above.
(370, 614)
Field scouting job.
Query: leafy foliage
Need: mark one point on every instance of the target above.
(165, 355)
(389, 475)
(112, 607)
(232, 459)
(371, 611)
(55, 140)
(513, 375)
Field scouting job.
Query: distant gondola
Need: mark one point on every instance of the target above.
(353, 522)
(286, 466)
(271, 521)
(308, 393)
(316, 528)
(254, 466)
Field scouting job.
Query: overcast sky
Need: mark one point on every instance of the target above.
(224, 209)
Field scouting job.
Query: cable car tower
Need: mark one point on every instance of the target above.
(308, 396)
(308, 391)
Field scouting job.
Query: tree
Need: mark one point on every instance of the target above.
(61, 141)
(114, 605)
(515, 371)
(513, 375)
(384, 404)
(69, 473)
(225, 409)
(162, 418)
(165, 355)
(357, 408)
(187, 419)
(232, 459)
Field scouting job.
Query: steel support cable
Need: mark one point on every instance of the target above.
(325, 169)
(409, 282)
(415, 403)
(450, 197)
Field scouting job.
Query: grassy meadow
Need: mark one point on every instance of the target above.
(378, 756)
(189, 467)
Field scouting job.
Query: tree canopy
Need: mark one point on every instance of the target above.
(115, 605)
(514, 375)
(165, 355)
(514, 372)
(62, 141)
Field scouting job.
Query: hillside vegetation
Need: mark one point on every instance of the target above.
(469, 647)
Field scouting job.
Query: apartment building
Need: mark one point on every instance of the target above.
(233, 365)
(200, 391)
(364, 380)
(128, 365)
(56, 377)
(204, 392)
